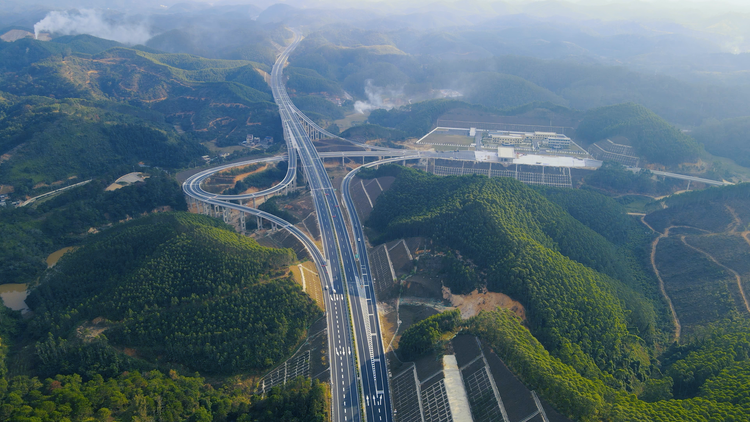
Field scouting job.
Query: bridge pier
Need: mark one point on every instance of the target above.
(226, 214)
(259, 222)
(243, 222)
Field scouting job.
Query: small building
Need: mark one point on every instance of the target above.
(473, 131)
(508, 138)
(506, 154)
(250, 141)
(557, 141)
(266, 142)
(541, 136)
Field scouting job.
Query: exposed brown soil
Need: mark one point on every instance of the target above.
(91, 329)
(476, 302)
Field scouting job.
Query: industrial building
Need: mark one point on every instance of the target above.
(537, 139)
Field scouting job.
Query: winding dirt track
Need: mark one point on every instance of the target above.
(736, 275)
(731, 229)
(677, 326)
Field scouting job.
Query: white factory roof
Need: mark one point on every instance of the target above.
(506, 152)
(538, 160)
(556, 161)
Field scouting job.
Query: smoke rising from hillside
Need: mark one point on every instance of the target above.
(375, 98)
(92, 22)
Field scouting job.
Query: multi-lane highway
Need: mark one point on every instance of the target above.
(344, 390)
(193, 185)
(366, 386)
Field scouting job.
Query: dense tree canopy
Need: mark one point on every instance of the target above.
(723, 397)
(29, 234)
(180, 286)
(152, 395)
(571, 280)
(652, 137)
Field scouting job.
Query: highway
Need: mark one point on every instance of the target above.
(344, 391)
(683, 177)
(193, 185)
(345, 271)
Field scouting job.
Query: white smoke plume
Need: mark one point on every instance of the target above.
(375, 99)
(92, 22)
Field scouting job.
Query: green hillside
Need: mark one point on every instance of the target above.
(703, 256)
(702, 380)
(727, 138)
(84, 43)
(501, 91)
(419, 118)
(350, 57)
(583, 296)
(181, 287)
(232, 36)
(52, 140)
(154, 395)
(723, 376)
(121, 106)
(615, 177)
(308, 81)
(363, 133)
(309, 104)
(586, 86)
(29, 234)
(652, 137)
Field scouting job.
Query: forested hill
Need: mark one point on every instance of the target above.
(417, 119)
(93, 104)
(49, 141)
(583, 296)
(727, 138)
(182, 287)
(653, 138)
